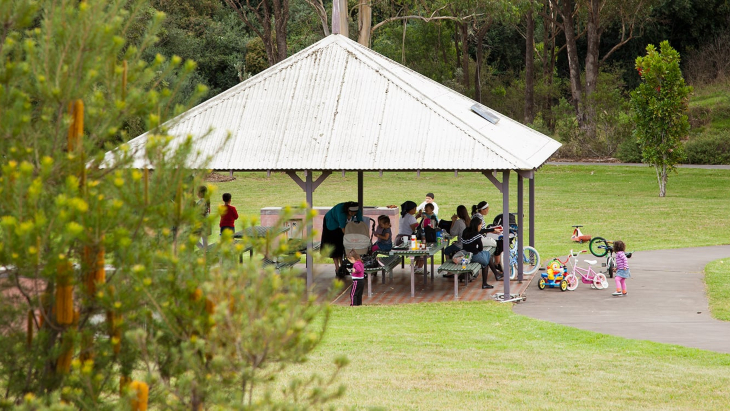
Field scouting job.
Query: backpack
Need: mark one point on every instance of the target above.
(427, 231)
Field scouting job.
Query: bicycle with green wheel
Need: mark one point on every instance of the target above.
(600, 247)
(530, 257)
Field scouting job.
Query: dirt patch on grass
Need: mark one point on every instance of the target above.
(219, 178)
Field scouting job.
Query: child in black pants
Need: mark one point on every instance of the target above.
(358, 278)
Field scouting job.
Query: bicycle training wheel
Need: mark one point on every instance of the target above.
(611, 266)
(531, 260)
(572, 282)
(598, 246)
(600, 281)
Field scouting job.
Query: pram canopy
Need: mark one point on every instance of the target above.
(357, 237)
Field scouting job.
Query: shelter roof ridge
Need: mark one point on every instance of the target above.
(420, 97)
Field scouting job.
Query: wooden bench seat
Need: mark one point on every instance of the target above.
(389, 263)
(471, 269)
(287, 262)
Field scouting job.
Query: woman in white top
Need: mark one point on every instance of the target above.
(407, 226)
(459, 222)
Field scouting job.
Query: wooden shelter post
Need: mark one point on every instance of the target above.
(359, 189)
(309, 187)
(505, 237)
(520, 227)
(532, 210)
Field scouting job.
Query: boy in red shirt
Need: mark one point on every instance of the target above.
(229, 215)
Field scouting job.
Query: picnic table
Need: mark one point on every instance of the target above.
(258, 231)
(429, 251)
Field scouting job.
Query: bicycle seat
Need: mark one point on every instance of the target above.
(592, 262)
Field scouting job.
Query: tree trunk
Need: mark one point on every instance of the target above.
(530, 69)
(457, 47)
(344, 23)
(594, 39)
(661, 176)
(479, 36)
(364, 22)
(463, 30)
(572, 48)
(403, 43)
(281, 17)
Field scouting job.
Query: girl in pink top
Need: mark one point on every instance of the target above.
(358, 278)
(622, 268)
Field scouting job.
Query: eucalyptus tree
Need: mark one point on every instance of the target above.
(590, 18)
(268, 19)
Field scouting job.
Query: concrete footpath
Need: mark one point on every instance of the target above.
(666, 301)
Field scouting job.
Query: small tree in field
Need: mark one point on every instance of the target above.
(106, 302)
(660, 105)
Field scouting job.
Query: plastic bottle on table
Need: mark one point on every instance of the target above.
(439, 237)
(414, 242)
(463, 263)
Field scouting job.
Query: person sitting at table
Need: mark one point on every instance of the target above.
(384, 235)
(428, 200)
(459, 222)
(333, 229)
(428, 213)
(407, 227)
(472, 242)
(479, 211)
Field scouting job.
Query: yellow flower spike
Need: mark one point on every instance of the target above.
(298, 254)
(76, 363)
(138, 268)
(165, 231)
(136, 175)
(287, 209)
(118, 304)
(26, 168)
(29, 397)
(147, 281)
(118, 181)
(303, 204)
(32, 250)
(313, 213)
(100, 294)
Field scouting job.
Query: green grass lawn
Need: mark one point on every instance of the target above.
(717, 278)
(610, 201)
(474, 356)
(480, 356)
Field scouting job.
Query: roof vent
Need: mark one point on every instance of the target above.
(485, 113)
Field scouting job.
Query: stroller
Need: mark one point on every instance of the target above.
(358, 237)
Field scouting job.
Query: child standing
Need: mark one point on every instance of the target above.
(622, 268)
(383, 234)
(229, 215)
(358, 278)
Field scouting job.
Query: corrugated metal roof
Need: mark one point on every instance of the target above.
(337, 105)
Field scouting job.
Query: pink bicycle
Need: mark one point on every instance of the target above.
(587, 275)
